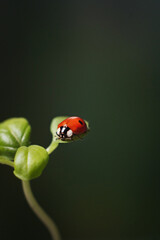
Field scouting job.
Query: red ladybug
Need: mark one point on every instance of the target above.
(71, 126)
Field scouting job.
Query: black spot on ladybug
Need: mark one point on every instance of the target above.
(80, 122)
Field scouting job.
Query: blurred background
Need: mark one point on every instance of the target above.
(98, 60)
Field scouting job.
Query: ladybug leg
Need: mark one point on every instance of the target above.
(68, 139)
(64, 139)
(57, 138)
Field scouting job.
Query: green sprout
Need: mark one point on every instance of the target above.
(29, 161)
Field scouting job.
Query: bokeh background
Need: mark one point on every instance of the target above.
(98, 60)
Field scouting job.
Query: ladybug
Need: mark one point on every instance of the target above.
(70, 127)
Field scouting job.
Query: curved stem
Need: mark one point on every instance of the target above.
(39, 211)
(52, 147)
(6, 162)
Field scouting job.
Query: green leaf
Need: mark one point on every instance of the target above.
(14, 132)
(6, 161)
(54, 125)
(29, 162)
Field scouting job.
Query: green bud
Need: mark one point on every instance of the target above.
(29, 162)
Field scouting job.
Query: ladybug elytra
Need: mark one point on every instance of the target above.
(71, 126)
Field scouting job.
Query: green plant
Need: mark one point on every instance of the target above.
(29, 161)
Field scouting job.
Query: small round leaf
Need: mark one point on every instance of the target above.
(29, 162)
(14, 133)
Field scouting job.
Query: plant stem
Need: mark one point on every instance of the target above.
(48, 222)
(52, 147)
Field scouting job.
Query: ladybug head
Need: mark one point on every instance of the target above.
(64, 132)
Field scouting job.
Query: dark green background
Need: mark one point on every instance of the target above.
(98, 60)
